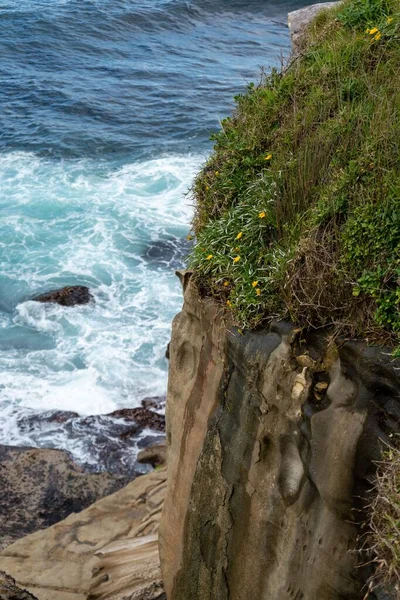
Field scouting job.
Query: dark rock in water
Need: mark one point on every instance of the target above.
(155, 455)
(67, 296)
(30, 422)
(10, 591)
(157, 402)
(40, 487)
(150, 440)
(104, 442)
(169, 253)
(141, 416)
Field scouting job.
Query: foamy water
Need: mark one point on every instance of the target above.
(106, 109)
(122, 232)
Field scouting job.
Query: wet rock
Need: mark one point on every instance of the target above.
(67, 296)
(141, 416)
(102, 442)
(155, 455)
(157, 402)
(169, 253)
(10, 591)
(42, 486)
(150, 440)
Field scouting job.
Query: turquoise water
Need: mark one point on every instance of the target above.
(106, 109)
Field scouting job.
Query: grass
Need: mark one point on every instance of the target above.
(383, 540)
(298, 207)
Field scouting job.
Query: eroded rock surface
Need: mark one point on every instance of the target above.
(272, 440)
(67, 296)
(39, 487)
(108, 551)
(155, 455)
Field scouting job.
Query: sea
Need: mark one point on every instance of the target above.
(106, 113)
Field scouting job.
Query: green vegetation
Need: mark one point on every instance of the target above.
(298, 207)
(384, 537)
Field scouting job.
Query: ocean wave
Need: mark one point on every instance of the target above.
(121, 231)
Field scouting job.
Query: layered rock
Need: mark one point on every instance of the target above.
(107, 551)
(272, 438)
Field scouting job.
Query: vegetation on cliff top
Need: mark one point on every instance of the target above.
(384, 536)
(298, 207)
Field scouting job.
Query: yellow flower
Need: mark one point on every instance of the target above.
(258, 291)
(229, 303)
(217, 172)
(261, 214)
(209, 257)
(239, 235)
(378, 36)
(236, 259)
(268, 157)
(373, 30)
(207, 187)
(255, 283)
(226, 283)
(189, 237)
(389, 20)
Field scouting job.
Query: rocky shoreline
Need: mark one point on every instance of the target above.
(42, 486)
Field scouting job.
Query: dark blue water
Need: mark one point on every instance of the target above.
(106, 108)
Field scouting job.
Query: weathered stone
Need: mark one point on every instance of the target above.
(155, 455)
(67, 296)
(109, 550)
(299, 21)
(42, 486)
(267, 488)
(10, 591)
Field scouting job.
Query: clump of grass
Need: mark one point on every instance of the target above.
(384, 537)
(298, 207)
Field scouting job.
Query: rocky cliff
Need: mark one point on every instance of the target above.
(273, 438)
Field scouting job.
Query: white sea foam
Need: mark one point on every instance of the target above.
(119, 231)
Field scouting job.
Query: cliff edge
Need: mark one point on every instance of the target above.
(273, 438)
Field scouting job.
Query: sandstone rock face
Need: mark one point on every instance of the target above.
(155, 455)
(299, 20)
(67, 296)
(42, 486)
(108, 551)
(272, 440)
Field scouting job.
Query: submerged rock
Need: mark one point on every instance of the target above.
(10, 591)
(67, 296)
